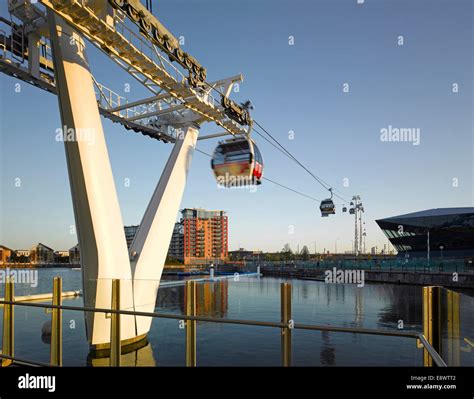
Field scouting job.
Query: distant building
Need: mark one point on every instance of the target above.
(130, 232)
(239, 254)
(74, 255)
(41, 254)
(205, 236)
(5, 254)
(443, 232)
(61, 256)
(242, 254)
(373, 251)
(176, 249)
(22, 255)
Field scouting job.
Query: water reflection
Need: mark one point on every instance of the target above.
(142, 357)
(212, 298)
(358, 307)
(406, 304)
(373, 306)
(328, 351)
(46, 332)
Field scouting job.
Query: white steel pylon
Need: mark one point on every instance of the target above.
(99, 224)
(150, 245)
(97, 214)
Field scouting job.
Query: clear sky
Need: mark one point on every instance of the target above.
(294, 88)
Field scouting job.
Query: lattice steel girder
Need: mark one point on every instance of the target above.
(106, 36)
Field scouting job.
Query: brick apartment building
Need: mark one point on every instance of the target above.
(205, 236)
(200, 237)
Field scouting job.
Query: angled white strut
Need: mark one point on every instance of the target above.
(150, 245)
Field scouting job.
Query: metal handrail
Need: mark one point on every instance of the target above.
(406, 334)
(24, 362)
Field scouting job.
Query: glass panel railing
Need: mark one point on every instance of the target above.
(392, 309)
(457, 327)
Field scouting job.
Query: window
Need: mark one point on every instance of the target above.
(232, 152)
(258, 156)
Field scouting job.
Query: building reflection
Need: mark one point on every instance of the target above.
(212, 298)
(335, 292)
(405, 303)
(454, 312)
(358, 307)
(328, 351)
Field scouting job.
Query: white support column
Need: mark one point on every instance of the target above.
(150, 245)
(99, 226)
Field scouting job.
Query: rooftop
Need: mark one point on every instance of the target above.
(434, 212)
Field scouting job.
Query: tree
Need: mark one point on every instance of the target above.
(287, 249)
(286, 252)
(305, 253)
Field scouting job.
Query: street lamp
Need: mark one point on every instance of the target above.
(441, 247)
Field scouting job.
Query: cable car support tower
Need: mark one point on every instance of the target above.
(357, 209)
(46, 46)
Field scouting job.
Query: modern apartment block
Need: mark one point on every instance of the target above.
(41, 254)
(130, 232)
(176, 249)
(5, 254)
(205, 236)
(74, 255)
(200, 237)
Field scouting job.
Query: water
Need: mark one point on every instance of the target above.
(373, 306)
(400, 264)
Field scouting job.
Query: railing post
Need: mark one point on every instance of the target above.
(115, 349)
(431, 321)
(285, 319)
(454, 333)
(191, 324)
(8, 324)
(56, 356)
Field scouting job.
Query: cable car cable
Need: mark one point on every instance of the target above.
(271, 143)
(290, 189)
(284, 153)
(291, 156)
(272, 181)
(283, 150)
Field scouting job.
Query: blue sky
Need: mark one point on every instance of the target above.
(294, 88)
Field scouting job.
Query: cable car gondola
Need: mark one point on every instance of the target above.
(344, 208)
(327, 206)
(237, 162)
